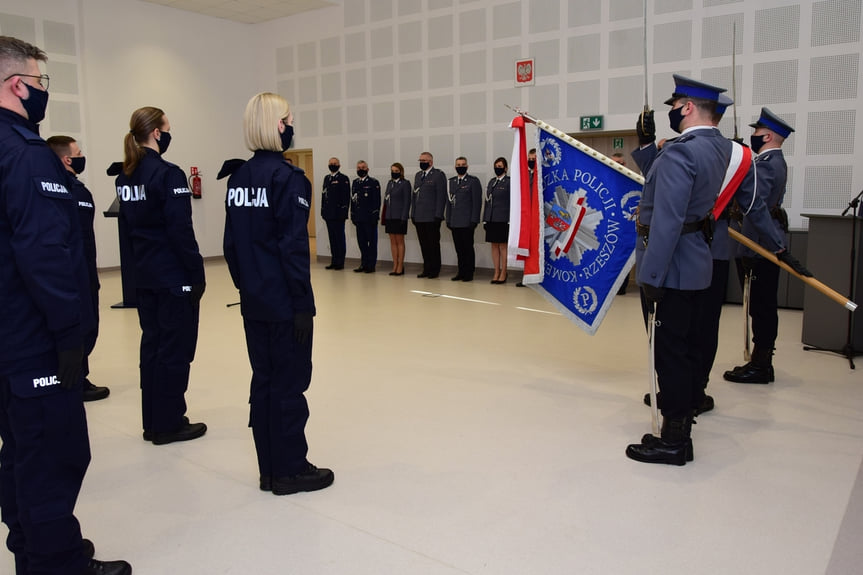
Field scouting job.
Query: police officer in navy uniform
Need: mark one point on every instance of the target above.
(462, 214)
(73, 160)
(770, 133)
(266, 246)
(335, 200)
(673, 260)
(365, 212)
(427, 212)
(44, 290)
(495, 216)
(156, 206)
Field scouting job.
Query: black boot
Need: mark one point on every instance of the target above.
(759, 370)
(673, 447)
(95, 567)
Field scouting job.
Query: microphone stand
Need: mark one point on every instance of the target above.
(848, 349)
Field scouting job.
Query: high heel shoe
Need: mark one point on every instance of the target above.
(503, 281)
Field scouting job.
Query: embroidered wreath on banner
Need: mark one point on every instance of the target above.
(550, 152)
(584, 299)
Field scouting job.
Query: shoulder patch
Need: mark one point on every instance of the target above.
(303, 202)
(229, 167)
(51, 188)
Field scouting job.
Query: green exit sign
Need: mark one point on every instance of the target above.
(591, 122)
(617, 143)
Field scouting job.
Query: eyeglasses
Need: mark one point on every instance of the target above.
(41, 77)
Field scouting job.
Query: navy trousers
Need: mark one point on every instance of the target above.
(281, 374)
(367, 238)
(169, 336)
(43, 459)
(338, 243)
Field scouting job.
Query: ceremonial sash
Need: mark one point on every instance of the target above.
(738, 165)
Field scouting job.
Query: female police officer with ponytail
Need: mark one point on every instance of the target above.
(267, 249)
(155, 204)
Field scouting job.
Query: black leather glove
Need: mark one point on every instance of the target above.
(652, 293)
(69, 367)
(786, 258)
(303, 323)
(198, 292)
(645, 128)
(739, 140)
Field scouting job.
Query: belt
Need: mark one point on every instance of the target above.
(692, 227)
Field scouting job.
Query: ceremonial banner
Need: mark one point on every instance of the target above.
(588, 230)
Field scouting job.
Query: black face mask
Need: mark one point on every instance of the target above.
(164, 142)
(362, 173)
(334, 168)
(36, 104)
(531, 164)
(78, 164)
(396, 175)
(461, 170)
(756, 143)
(424, 166)
(675, 117)
(498, 171)
(287, 136)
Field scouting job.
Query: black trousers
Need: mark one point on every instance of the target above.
(338, 243)
(462, 238)
(708, 335)
(428, 234)
(678, 351)
(763, 307)
(367, 239)
(281, 374)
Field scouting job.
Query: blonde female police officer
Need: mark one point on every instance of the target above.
(267, 249)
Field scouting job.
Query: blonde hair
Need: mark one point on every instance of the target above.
(261, 121)
(143, 121)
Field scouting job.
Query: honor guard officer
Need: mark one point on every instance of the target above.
(770, 132)
(73, 160)
(46, 311)
(335, 200)
(673, 260)
(427, 212)
(156, 206)
(365, 212)
(266, 246)
(462, 213)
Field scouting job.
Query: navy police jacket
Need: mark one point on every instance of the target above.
(464, 202)
(336, 197)
(266, 237)
(156, 204)
(398, 200)
(44, 306)
(429, 197)
(771, 176)
(86, 214)
(365, 200)
(497, 200)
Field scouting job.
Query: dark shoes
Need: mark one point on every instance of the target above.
(519, 284)
(94, 392)
(750, 373)
(422, 275)
(673, 447)
(95, 567)
(707, 404)
(650, 441)
(335, 267)
(311, 479)
(187, 432)
(359, 270)
(456, 278)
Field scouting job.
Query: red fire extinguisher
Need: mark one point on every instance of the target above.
(195, 183)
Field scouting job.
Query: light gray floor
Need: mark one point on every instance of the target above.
(475, 437)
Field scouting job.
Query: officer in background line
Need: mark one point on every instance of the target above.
(462, 214)
(365, 212)
(266, 245)
(156, 206)
(335, 199)
(428, 202)
(73, 160)
(766, 141)
(44, 290)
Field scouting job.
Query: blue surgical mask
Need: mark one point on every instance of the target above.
(287, 136)
(164, 142)
(675, 117)
(36, 104)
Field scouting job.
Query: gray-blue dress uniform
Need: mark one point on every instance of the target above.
(427, 212)
(464, 203)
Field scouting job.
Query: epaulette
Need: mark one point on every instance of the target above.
(115, 169)
(684, 138)
(229, 167)
(29, 135)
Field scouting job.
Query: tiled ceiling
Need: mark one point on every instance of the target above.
(247, 11)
